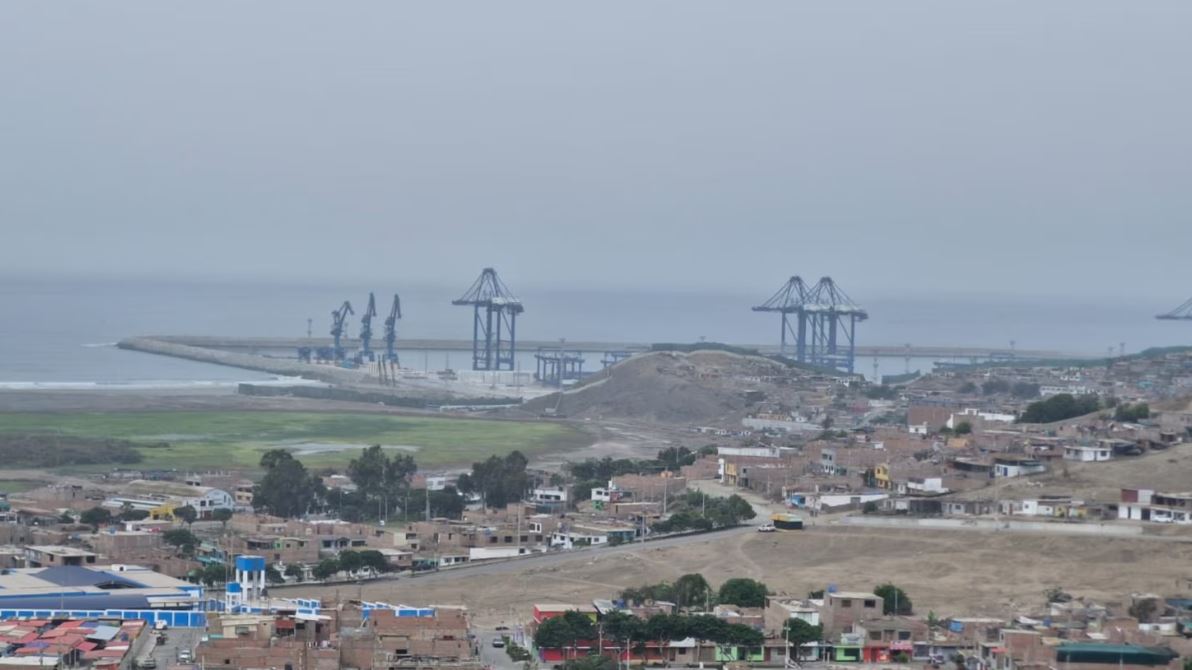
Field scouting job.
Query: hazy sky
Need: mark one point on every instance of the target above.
(912, 146)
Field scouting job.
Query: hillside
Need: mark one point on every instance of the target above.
(1167, 470)
(678, 388)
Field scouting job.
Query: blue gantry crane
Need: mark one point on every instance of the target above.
(391, 331)
(366, 352)
(339, 318)
(494, 322)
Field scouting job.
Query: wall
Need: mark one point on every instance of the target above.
(989, 524)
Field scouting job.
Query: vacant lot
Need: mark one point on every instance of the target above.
(950, 573)
(237, 439)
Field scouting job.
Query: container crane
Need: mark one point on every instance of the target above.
(339, 317)
(366, 353)
(391, 331)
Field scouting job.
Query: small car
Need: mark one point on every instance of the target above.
(498, 643)
(766, 528)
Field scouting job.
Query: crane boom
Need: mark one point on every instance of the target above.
(338, 318)
(391, 329)
(366, 328)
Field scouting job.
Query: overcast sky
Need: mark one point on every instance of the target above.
(898, 146)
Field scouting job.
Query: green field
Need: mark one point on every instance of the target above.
(231, 440)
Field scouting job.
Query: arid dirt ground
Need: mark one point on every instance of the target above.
(946, 572)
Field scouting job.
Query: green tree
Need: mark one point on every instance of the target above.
(214, 573)
(350, 560)
(692, 590)
(1059, 407)
(964, 428)
(592, 662)
(743, 592)
(367, 471)
(375, 561)
(133, 515)
(894, 599)
(498, 481)
(96, 517)
(798, 633)
(223, 515)
(186, 514)
(273, 576)
(326, 568)
(181, 538)
(294, 571)
(287, 489)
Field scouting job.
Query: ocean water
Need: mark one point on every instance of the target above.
(61, 333)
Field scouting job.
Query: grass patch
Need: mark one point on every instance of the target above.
(201, 440)
(11, 486)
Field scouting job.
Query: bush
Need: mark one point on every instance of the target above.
(1059, 407)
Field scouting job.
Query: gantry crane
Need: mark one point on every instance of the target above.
(391, 331)
(366, 353)
(339, 318)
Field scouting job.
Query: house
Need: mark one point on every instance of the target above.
(1148, 505)
(888, 637)
(48, 556)
(1087, 454)
(161, 498)
(843, 609)
(926, 419)
(781, 609)
(1017, 466)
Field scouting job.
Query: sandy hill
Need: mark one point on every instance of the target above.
(680, 388)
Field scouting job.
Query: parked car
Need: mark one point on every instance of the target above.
(766, 528)
(498, 643)
(145, 664)
(184, 656)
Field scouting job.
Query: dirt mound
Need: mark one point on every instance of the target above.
(667, 387)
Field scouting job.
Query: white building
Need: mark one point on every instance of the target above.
(756, 452)
(1087, 454)
(548, 495)
(160, 496)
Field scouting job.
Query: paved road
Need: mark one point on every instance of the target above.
(553, 558)
(498, 659)
(176, 638)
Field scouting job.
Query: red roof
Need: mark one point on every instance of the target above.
(86, 646)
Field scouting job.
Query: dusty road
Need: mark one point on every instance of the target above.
(945, 572)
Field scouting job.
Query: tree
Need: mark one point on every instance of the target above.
(326, 568)
(375, 561)
(96, 517)
(1131, 413)
(743, 592)
(964, 428)
(894, 599)
(564, 631)
(273, 576)
(181, 538)
(673, 458)
(186, 514)
(592, 662)
(294, 571)
(212, 574)
(1144, 610)
(798, 633)
(350, 561)
(223, 515)
(133, 515)
(1059, 407)
(287, 489)
(499, 481)
(692, 590)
